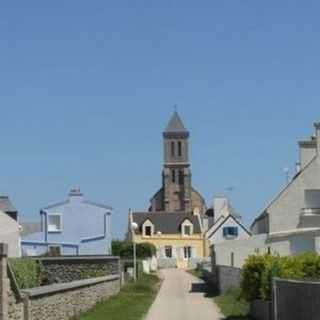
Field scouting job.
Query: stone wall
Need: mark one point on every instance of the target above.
(65, 301)
(223, 278)
(67, 269)
(60, 301)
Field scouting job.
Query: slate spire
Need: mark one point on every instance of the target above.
(176, 126)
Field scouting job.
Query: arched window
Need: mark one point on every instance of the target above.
(180, 149)
(173, 151)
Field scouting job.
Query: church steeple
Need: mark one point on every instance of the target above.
(176, 172)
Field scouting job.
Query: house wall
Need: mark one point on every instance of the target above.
(10, 234)
(176, 241)
(285, 211)
(218, 237)
(283, 245)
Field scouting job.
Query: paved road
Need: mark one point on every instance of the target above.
(182, 297)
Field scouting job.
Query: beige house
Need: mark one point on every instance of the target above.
(10, 234)
(290, 224)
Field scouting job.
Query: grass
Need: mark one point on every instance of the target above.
(232, 305)
(132, 303)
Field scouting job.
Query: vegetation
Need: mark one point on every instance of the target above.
(233, 305)
(196, 273)
(124, 249)
(132, 303)
(259, 270)
(27, 272)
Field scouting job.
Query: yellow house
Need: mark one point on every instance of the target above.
(177, 236)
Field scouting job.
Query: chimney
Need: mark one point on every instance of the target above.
(308, 150)
(75, 195)
(317, 126)
(221, 207)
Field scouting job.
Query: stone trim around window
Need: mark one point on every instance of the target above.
(147, 229)
(187, 228)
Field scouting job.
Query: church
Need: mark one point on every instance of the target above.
(174, 220)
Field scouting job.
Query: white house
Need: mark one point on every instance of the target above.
(290, 223)
(225, 224)
(10, 234)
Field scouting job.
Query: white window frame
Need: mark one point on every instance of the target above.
(187, 223)
(147, 223)
(48, 223)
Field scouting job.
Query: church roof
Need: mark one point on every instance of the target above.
(175, 124)
(166, 222)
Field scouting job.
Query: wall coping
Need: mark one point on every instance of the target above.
(61, 287)
(76, 258)
(316, 282)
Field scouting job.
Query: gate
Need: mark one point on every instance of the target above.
(296, 300)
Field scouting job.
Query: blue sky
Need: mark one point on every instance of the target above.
(86, 89)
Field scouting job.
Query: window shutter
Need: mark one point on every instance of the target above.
(236, 231)
(225, 231)
(193, 252)
(162, 252)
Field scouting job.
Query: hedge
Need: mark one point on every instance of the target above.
(27, 272)
(258, 271)
(124, 249)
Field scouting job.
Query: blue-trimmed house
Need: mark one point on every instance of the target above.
(72, 227)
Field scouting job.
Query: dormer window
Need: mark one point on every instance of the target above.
(148, 229)
(187, 228)
(54, 222)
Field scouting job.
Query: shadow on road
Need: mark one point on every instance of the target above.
(207, 291)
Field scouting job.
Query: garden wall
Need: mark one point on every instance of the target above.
(59, 301)
(223, 278)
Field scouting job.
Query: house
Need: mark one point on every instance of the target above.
(72, 227)
(173, 222)
(226, 223)
(7, 207)
(10, 234)
(290, 223)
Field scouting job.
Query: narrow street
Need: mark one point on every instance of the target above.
(182, 297)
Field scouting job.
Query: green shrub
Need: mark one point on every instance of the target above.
(27, 272)
(124, 249)
(259, 270)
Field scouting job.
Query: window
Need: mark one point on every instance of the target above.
(181, 177)
(187, 230)
(54, 223)
(230, 232)
(168, 251)
(173, 172)
(187, 252)
(179, 149)
(173, 151)
(54, 251)
(148, 231)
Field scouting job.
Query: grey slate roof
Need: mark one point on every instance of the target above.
(175, 124)
(166, 222)
(6, 205)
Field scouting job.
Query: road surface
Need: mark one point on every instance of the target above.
(182, 297)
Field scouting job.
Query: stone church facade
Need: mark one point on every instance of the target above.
(177, 193)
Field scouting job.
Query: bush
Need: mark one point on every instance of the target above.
(259, 270)
(27, 272)
(124, 249)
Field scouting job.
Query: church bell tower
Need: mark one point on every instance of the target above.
(176, 171)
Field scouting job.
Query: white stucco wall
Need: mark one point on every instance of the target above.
(284, 245)
(10, 234)
(216, 236)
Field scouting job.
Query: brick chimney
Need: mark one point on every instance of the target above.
(75, 194)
